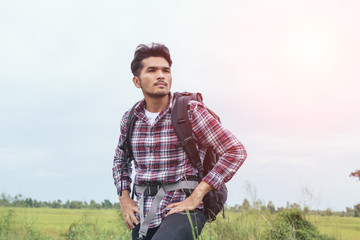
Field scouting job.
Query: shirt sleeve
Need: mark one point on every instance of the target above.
(210, 133)
(119, 161)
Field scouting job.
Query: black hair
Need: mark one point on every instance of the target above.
(144, 51)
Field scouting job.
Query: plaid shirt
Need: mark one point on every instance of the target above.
(157, 159)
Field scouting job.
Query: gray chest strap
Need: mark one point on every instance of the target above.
(145, 221)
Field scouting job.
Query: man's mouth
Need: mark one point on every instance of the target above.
(161, 84)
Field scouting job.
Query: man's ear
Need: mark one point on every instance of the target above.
(136, 82)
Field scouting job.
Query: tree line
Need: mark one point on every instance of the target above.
(259, 205)
(20, 201)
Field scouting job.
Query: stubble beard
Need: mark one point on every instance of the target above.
(157, 95)
(154, 95)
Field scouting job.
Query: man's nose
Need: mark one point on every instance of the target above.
(160, 74)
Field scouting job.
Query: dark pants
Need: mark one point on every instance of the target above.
(176, 226)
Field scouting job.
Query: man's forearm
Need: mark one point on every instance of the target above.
(125, 195)
(193, 201)
(201, 190)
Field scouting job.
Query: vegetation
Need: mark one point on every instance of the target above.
(291, 224)
(246, 221)
(81, 224)
(64, 224)
(20, 201)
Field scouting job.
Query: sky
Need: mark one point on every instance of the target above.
(282, 75)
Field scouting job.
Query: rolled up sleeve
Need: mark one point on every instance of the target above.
(211, 134)
(119, 161)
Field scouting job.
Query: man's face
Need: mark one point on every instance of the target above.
(155, 77)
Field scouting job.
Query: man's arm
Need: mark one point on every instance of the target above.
(210, 133)
(118, 163)
(193, 201)
(128, 206)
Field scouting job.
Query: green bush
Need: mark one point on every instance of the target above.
(291, 224)
(6, 218)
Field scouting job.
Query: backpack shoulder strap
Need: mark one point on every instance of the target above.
(183, 130)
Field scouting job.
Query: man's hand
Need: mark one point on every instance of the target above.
(128, 208)
(191, 202)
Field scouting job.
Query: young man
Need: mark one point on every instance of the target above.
(160, 162)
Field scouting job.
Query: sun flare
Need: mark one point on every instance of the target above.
(311, 49)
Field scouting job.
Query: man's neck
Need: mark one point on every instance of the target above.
(156, 105)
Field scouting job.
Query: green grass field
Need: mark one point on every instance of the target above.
(48, 223)
(343, 228)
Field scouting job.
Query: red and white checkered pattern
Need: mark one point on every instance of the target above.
(157, 159)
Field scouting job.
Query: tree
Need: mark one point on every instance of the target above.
(5, 200)
(258, 204)
(67, 204)
(306, 210)
(18, 201)
(116, 205)
(292, 205)
(328, 212)
(56, 204)
(28, 202)
(271, 207)
(245, 205)
(349, 212)
(36, 204)
(76, 204)
(357, 210)
(94, 205)
(106, 204)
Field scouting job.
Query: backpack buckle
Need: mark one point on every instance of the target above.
(184, 142)
(152, 189)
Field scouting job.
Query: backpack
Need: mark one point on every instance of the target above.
(214, 200)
